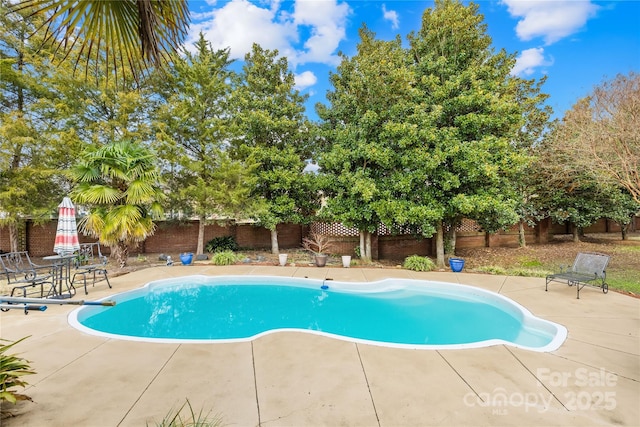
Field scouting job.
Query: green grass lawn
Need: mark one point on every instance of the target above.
(623, 273)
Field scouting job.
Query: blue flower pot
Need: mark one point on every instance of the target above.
(456, 264)
(186, 258)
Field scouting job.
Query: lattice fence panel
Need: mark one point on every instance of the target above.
(339, 230)
(468, 226)
(383, 230)
(335, 229)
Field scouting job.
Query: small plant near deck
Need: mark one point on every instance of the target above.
(317, 243)
(493, 269)
(418, 263)
(225, 258)
(12, 369)
(176, 419)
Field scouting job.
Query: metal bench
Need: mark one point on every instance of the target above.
(589, 269)
(23, 275)
(90, 262)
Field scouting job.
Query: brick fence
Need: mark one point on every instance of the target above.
(173, 237)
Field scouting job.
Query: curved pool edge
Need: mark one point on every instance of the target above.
(558, 331)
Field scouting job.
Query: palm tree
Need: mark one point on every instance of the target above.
(133, 34)
(120, 184)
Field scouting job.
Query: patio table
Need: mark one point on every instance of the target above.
(62, 275)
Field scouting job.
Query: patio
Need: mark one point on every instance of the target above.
(299, 379)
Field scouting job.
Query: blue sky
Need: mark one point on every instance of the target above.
(578, 44)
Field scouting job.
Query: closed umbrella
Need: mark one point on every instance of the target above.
(67, 232)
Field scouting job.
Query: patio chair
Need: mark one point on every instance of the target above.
(90, 262)
(25, 276)
(587, 270)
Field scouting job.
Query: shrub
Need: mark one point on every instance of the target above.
(418, 263)
(12, 369)
(221, 244)
(224, 258)
(317, 243)
(175, 418)
(493, 269)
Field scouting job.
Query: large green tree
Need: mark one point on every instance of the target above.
(536, 123)
(193, 129)
(100, 112)
(369, 166)
(31, 184)
(120, 184)
(468, 115)
(427, 135)
(272, 129)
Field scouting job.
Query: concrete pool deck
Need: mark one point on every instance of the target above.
(300, 379)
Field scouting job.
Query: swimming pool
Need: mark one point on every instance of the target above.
(392, 312)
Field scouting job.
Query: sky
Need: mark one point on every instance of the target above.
(577, 44)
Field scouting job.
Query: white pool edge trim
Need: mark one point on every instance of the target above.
(559, 332)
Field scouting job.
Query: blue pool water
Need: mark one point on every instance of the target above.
(395, 312)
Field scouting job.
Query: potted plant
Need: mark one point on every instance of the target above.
(318, 244)
(186, 258)
(456, 264)
(283, 259)
(346, 261)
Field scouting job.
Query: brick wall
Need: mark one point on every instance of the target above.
(172, 237)
(601, 226)
(399, 247)
(181, 236)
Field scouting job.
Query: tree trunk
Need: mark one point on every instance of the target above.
(274, 242)
(576, 233)
(13, 237)
(440, 245)
(522, 241)
(624, 228)
(121, 252)
(450, 247)
(365, 246)
(200, 249)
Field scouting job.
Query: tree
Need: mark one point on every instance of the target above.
(268, 113)
(31, 184)
(119, 182)
(622, 208)
(574, 194)
(101, 112)
(468, 116)
(529, 136)
(121, 33)
(193, 128)
(601, 133)
(369, 166)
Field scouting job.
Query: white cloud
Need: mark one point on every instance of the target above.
(305, 79)
(239, 23)
(327, 21)
(391, 16)
(552, 20)
(528, 60)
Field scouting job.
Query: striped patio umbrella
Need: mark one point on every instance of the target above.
(67, 232)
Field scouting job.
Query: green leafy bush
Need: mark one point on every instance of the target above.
(224, 258)
(418, 263)
(12, 369)
(221, 244)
